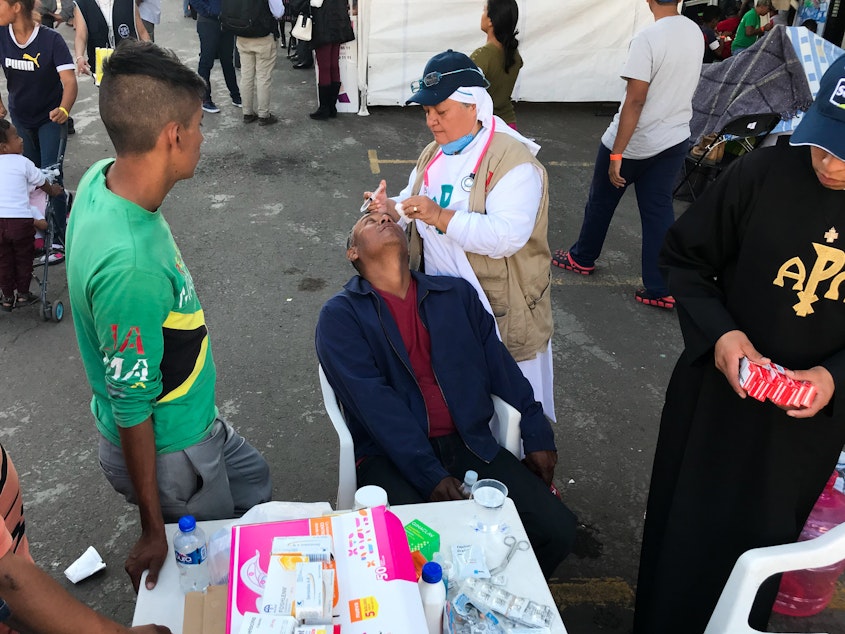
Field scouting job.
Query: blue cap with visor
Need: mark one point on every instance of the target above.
(444, 74)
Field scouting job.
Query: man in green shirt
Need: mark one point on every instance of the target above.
(749, 29)
(139, 324)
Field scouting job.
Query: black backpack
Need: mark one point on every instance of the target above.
(247, 18)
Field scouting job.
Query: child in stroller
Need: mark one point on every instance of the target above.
(17, 230)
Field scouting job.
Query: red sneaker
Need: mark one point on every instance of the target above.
(644, 297)
(563, 260)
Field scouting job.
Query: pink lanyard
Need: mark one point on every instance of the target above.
(467, 182)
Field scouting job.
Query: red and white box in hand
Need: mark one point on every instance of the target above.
(770, 382)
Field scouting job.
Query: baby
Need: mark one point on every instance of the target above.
(18, 175)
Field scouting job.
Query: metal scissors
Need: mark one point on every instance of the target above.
(513, 545)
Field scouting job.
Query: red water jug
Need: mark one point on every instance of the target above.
(807, 592)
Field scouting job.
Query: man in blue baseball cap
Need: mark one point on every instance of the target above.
(476, 206)
(757, 266)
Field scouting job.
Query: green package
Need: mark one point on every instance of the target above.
(423, 539)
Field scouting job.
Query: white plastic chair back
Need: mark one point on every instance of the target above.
(757, 565)
(504, 425)
(346, 478)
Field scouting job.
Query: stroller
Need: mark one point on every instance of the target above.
(52, 253)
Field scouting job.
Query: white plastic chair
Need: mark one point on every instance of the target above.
(757, 565)
(504, 425)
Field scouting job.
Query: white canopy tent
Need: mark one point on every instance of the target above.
(573, 49)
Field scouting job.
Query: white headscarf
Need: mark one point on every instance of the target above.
(484, 111)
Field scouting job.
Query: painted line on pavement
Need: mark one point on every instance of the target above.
(601, 281)
(601, 591)
(376, 162)
(568, 164)
(838, 600)
(615, 591)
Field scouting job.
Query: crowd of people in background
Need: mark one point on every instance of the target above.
(452, 282)
(732, 26)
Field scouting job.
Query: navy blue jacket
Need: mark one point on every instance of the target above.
(365, 361)
(207, 8)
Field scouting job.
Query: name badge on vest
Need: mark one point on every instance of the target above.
(123, 31)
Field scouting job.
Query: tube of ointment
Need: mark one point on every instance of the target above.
(468, 561)
(371, 198)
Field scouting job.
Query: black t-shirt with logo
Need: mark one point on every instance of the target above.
(32, 74)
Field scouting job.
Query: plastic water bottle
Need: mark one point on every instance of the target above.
(191, 554)
(807, 592)
(433, 594)
(470, 478)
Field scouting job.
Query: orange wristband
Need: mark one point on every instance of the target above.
(615, 157)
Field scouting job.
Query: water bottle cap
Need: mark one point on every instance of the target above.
(432, 572)
(187, 523)
(470, 478)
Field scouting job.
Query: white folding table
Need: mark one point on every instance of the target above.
(164, 604)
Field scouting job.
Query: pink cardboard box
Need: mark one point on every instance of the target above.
(375, 581)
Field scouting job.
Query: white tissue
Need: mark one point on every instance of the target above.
(89, 563)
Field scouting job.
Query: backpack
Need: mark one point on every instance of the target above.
(247, 18)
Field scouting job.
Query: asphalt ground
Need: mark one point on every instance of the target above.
(262, 226)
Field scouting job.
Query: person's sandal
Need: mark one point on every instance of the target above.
(25, 299)
(7, 304)
(563, 260)
(644, 297)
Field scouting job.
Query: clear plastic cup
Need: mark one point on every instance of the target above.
(489, 497)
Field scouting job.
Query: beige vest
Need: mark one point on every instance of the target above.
(518, 287)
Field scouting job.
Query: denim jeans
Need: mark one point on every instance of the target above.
(653, 179)
(215, 43)
(45, 146)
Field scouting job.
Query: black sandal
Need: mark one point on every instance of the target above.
(26, 299)
(7, 304)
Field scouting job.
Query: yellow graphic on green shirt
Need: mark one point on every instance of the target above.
(185, 340)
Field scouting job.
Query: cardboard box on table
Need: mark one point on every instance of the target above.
(205, 611)
(377, 588)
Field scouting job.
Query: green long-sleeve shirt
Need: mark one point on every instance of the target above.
(139, 324)
(741, 40)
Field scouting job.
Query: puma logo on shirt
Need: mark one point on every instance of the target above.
(32, 59)
(28, 62)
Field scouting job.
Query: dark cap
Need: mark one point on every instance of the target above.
(444, 74)
(823, 125)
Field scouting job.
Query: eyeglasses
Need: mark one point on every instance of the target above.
(433, 78)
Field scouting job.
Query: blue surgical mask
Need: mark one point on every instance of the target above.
(456, 146)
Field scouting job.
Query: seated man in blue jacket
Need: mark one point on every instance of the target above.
(413, 359)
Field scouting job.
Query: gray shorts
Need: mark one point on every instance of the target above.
(220, 477)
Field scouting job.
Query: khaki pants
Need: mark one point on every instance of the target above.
(258, 58)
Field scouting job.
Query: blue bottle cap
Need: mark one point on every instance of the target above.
(187, 523)
(432, 572)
